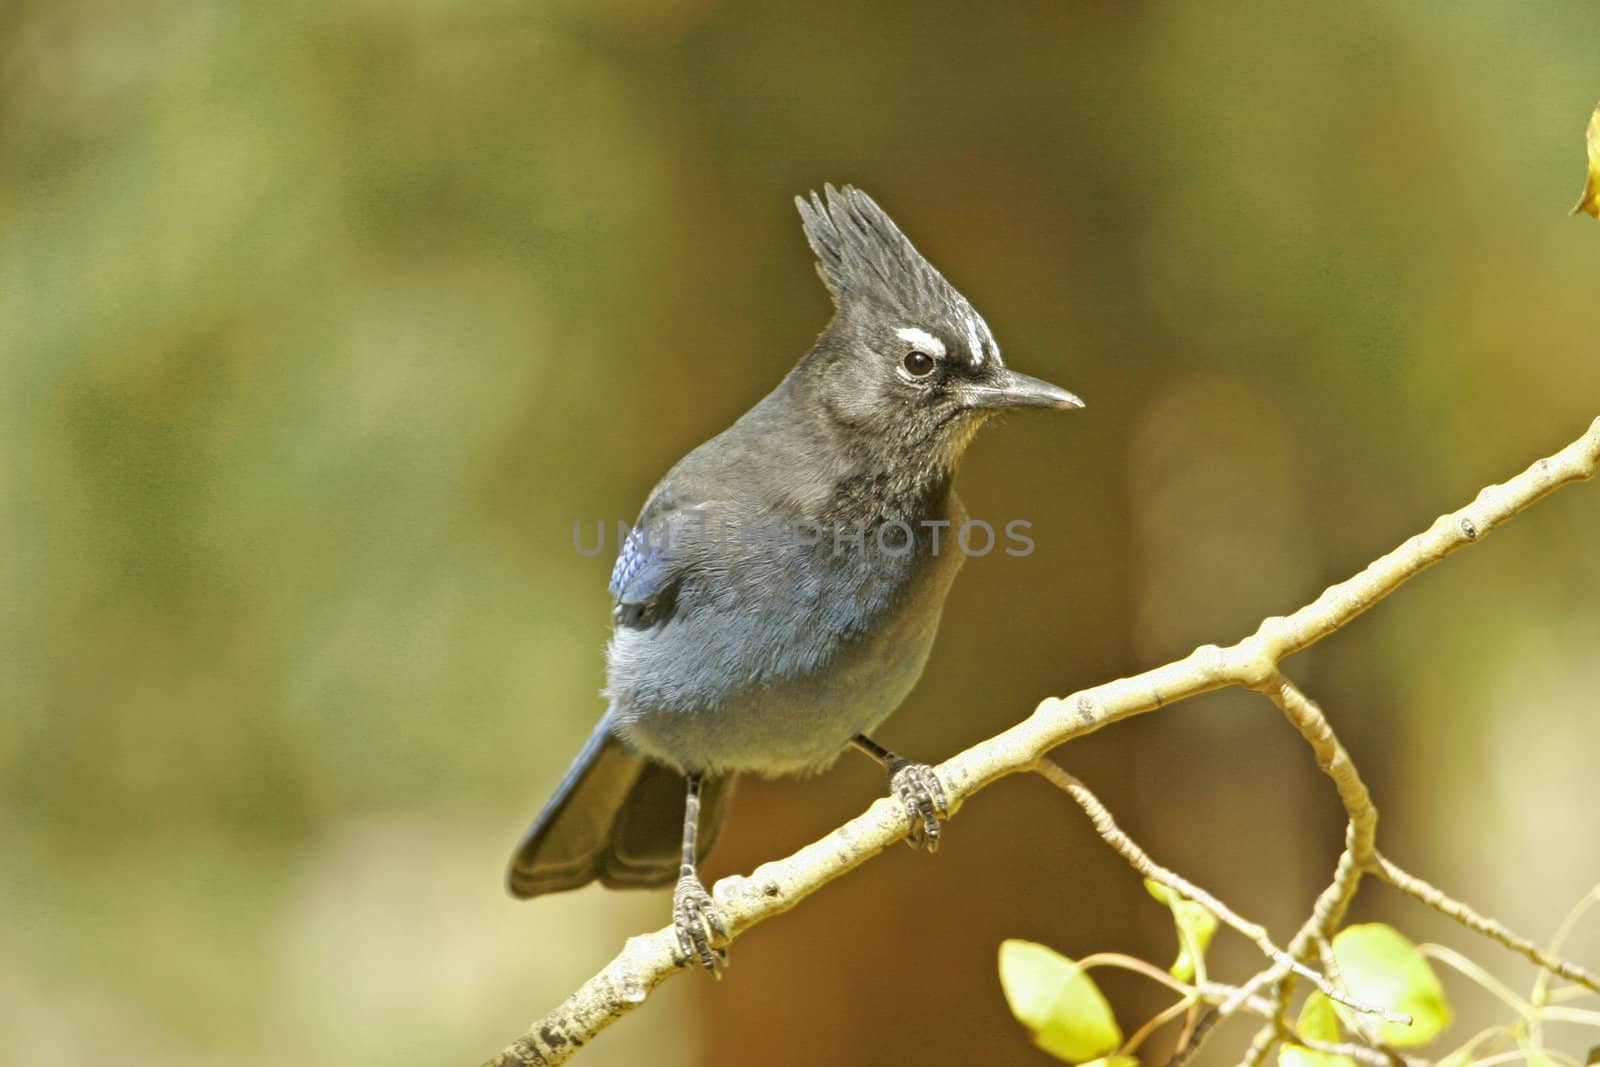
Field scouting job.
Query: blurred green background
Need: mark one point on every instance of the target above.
(323, 322)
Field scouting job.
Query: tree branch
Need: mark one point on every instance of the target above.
(775, 887)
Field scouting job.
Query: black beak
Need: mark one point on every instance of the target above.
(1008, 389)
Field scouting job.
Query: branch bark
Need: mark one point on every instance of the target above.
(773, 888)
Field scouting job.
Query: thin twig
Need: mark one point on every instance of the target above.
(1360, 1053)
(1137, 966)
(1538, 1056)
(1155, 1022)
(1541, 984)
(1217, 992)
(1262, 1043)
(1439, 901)
(1474, 973)
(1197, 1038)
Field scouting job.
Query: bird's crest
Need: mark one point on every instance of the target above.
(861, 254)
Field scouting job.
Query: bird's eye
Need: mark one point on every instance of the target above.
(918, 364)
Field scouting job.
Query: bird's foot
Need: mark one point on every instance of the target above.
(923, 797)
(699, 925)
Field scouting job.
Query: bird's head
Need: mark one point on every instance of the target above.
(906, 359)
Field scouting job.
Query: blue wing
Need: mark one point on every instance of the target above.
(642, 568)
(646, 573)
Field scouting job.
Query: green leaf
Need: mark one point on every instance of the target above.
(1292, 1055)
(1318, 1022)
(1051, 996)
(1195, 924)
(1384, 969)
(1589, 202)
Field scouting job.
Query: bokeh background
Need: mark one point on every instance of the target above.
(323, 322)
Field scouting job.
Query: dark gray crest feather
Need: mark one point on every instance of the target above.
(861, 254)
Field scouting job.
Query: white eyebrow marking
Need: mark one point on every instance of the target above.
(922, 339)
(973, 343)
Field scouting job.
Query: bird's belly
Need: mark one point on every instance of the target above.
(773, 692)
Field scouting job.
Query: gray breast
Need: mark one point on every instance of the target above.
(774, 664)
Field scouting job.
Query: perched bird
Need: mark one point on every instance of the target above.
(778, 596)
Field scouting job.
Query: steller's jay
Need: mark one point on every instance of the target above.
(778, 596)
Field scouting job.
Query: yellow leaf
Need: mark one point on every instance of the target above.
(1195, 926)
(1317, 1022)
(1050, 995)
(1292, 1055)
(1589, 202)
(1383, 968)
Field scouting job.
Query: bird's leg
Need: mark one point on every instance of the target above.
(694, 914)
(918, 789)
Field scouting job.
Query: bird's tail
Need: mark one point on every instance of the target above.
(615, 816)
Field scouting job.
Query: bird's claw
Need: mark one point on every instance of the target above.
(923, 798)
(699, 925)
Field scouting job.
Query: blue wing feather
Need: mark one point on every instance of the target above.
(641, 570)
(646, 573)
